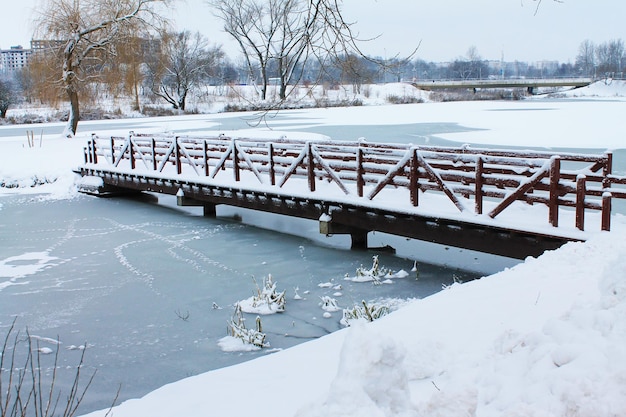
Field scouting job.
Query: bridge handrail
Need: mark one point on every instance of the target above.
(494, 177)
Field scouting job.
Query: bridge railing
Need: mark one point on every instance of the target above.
(480, 181)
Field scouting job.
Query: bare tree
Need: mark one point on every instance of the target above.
(472, 66)
(253, 27)
(355, 71)
(288, 33)
(186, 60)
(297, 26)
(84, 33)
(616, 55)
(609, 57)
(585, 60)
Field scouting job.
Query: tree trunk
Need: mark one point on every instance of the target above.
(136, 87)
(74, 116)
(264, 80)
(182, 101)
(69, 80)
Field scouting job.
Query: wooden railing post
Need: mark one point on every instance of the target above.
(607, 170)
(113, 151)
(581, 191)
(236, 161)
(310, 167)
(131, 151)
(606, 210)
(179, 169)
(154, 157)
(94, 152)
(606, 196)
(270, 156)
(478, 191)
(414, 179)
(360, 181)
(205, 157)
(555, 176)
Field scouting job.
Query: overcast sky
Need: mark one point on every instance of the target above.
(443, 29)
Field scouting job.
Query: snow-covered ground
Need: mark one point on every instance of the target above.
(545, 338)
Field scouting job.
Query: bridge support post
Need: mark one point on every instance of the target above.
(183, 201)
(357, 236)
(209, 210)
(359, 239)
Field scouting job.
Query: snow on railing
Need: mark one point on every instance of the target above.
(497, 177)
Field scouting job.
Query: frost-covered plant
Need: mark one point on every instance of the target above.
(375, 272)
(237, 328)
(329, 304)
(369, 313)
(267, 299)
(416, 270)
(455, 280)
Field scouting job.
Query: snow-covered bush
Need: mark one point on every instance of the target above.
(329, 304)
(237, 329)
(369, 313)
(376, 274)
(266, 301)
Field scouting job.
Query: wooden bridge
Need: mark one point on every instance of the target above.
(505, 202)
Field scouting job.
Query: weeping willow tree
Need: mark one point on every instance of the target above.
(79, 36)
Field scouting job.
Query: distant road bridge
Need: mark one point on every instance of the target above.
(505, 202)
(529, 83)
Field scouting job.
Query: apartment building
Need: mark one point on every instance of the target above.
(13, 59)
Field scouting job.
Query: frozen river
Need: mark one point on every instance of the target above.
(149, 287)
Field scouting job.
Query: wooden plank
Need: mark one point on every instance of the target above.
(521, 190)
(442, 185)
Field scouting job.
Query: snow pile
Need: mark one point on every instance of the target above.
(605, 88)
(371, 380)
(555, 348)
(42, 167)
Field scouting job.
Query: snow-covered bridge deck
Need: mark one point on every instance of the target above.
(529, 83)
(506, 202)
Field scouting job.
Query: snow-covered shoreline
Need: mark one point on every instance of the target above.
(545, 338)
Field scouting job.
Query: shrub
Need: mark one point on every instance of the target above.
(25, 390)
(393, 99)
